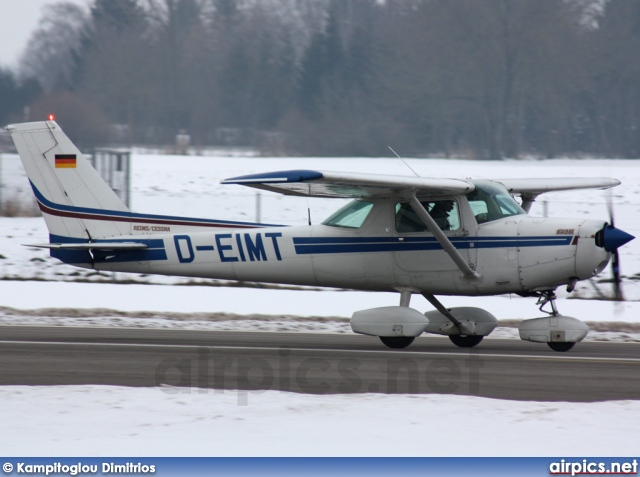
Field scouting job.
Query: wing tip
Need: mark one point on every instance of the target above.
(278, 177)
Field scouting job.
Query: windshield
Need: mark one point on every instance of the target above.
(351, 216)
(490, 201)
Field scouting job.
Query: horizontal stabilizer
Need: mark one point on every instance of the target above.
(91, 246)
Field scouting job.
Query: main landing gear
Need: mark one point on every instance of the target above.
(397, 342)
(461, 340)
(466, 329)
(561, 346)
(465, 341)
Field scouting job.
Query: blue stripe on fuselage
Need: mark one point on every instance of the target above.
(324, 245)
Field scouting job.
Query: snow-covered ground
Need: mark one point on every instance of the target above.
(95, 420)
(114, 421)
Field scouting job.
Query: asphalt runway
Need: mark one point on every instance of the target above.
(181, 360)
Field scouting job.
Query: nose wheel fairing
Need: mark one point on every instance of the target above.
(560, 332)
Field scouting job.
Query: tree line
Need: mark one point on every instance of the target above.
(482, 79)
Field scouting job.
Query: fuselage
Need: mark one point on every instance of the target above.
(515, 253)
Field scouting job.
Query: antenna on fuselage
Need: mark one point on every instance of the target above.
(308, 206)
(403, 161)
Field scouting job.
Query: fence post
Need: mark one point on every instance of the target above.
(258, 207)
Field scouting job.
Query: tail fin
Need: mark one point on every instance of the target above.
(75, 202)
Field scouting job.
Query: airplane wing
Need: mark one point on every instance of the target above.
(350, 185)
(535, 187)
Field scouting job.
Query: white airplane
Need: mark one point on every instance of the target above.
(411, 235)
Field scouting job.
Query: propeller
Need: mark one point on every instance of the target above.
(615, 256)
(613, 239)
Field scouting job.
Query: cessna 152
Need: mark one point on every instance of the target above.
(412, 235)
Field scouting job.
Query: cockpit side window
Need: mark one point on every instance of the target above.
(444, 212)
(351, 216)
(492, 202)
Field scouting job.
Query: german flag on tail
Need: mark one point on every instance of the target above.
(65, 161)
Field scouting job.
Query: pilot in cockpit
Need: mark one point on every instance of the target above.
(440, 213)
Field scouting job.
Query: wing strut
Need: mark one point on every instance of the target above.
(442, 239)
(527, 200)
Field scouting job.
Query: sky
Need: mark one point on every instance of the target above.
(18, 19)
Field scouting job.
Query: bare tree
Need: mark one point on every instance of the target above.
(479, 78)
(52, 47)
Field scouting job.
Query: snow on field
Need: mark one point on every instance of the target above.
(114, 421)
(101, 420)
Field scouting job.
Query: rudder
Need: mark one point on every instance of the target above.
(75, 201)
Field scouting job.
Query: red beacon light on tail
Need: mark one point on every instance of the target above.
(51, 117)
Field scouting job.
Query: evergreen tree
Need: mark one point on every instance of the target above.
(15, 96)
